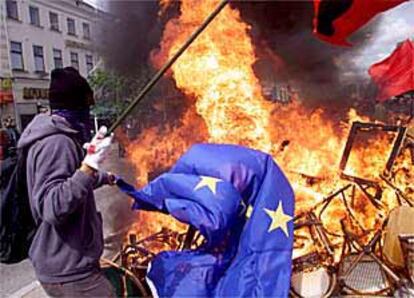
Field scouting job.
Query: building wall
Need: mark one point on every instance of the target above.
(4, 50)
(28, 85)
(6, 107)
(29, 35)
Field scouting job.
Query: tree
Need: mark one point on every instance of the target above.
(110, 94)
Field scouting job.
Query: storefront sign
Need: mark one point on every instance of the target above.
(6, 90)
(35, 93)
(77, 44)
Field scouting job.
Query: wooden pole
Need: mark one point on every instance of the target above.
(167, 65)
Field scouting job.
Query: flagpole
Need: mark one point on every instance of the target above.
(167, 65)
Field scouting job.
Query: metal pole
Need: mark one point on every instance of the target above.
(167, 65)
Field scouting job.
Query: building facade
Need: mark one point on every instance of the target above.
(37, 36)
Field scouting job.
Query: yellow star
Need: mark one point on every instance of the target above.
(249, 211)
(279, 219)
(210, 182)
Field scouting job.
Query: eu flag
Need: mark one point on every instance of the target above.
(242, 203)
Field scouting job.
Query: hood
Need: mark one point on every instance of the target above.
(42, 126)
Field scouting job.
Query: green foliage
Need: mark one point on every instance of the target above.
(110, 94)
(103, 79)
(107, 110)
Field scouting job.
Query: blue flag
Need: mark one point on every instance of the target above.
(243, 205)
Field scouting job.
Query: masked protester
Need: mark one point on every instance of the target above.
(68, 244)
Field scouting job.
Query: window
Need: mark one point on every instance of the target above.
(86, 31)
(74, 60)
(11, 7)
(57, 58)
(39, 60)
(54, 21)
(71, 27)
(16, 53)
(89, 63)
(34, 15)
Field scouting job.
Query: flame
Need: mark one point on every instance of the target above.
(217, 73)
(163, 4)
(151, 153)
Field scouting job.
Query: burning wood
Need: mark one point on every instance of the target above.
(375, 169)
(131, 261)
(229, 108)
(372, 127)
(324, 248)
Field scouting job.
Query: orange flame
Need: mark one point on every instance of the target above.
(217, 72)
(219, 75)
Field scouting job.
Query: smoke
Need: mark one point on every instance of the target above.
(129, 38)
(134, 31)
(282, 33)
(288, 52)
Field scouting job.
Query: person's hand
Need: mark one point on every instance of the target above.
(97, 149)
(111, 179)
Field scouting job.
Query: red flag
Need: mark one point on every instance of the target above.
(395, 74)
(336, 20)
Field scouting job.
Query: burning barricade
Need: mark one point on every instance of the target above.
(347, 175)
(339, 241)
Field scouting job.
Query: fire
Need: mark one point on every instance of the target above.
(216, 71)
(151, 153)
(219, 75)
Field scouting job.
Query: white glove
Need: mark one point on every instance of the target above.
(98, 148)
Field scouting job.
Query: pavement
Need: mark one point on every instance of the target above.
(19, 280)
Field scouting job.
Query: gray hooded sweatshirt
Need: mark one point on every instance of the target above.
(69, 240)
